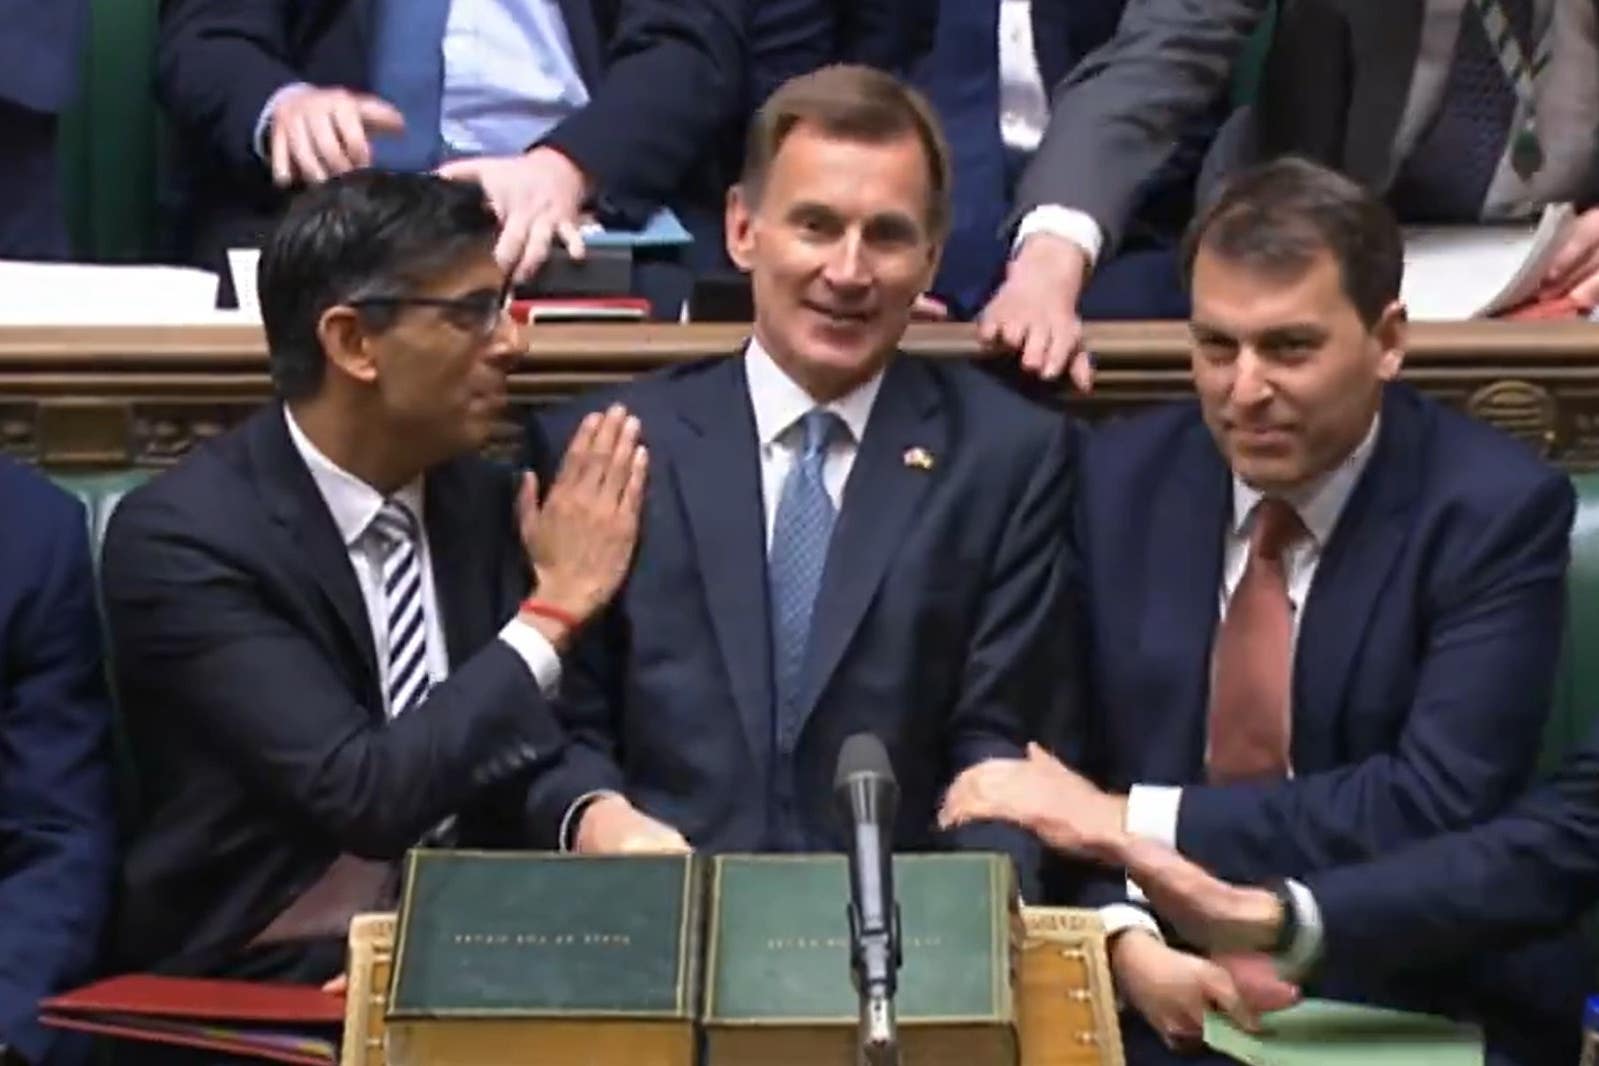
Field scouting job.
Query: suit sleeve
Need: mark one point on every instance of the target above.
(673, 80)
(590, 695)
(209, 642)
(217, 63)
(57, 824)
(1532, 870)
(1013, 690)
(1115, 119)
(1470, 741)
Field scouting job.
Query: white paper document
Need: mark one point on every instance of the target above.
(40, 294)
(1459, 272)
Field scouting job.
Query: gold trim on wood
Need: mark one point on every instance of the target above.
(78, 396)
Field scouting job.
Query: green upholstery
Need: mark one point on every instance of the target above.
(1577, 687)
(1246, 78)
(101, 492)
(109, 145)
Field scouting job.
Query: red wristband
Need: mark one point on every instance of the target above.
(534, 605)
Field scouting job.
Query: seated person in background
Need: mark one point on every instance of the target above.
(1425, 103)
(41, 57)
(989, 75)
(837, 537)
(319, 645)
(1321, 612)
(1532, 869)
(554, 106)
(57, 823)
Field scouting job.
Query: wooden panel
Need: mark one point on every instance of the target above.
(95, 396)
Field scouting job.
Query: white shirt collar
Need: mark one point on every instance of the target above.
(352, 502)
(1321, 502)
(779, 402)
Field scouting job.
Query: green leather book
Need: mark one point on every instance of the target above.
(508, 957)
(1319, 1032)
(778, 987)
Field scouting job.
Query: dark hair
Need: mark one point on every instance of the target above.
(1277, 217)
(854, 103)
(363, 234)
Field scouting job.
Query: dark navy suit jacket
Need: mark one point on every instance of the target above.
(1423, 669)
(254, 702)
(40, 52)
(938, 625)
(792, 37)
(1533, 869)
(57, 823)
(663, 79)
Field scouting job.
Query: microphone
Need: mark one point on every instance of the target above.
(867, 797)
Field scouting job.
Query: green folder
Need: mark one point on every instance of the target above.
(1319, 1032)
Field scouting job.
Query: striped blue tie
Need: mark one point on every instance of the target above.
(800, 535)
(398, 533)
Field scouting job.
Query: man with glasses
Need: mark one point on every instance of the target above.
(328, 642)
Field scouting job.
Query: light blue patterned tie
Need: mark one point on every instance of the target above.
(407, 70)
(800, 534)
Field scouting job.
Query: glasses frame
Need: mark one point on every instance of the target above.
(489, 316)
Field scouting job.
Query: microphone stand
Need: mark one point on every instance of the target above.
(877, 957)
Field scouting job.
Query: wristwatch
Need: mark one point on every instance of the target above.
(1288, 926)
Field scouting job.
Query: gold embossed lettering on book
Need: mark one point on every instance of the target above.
(509, 958)
(778, 989)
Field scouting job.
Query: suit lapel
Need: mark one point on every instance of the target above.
(456, 551)
(1182, 583)
(717, 473)
(310, 536)
(1351, 576)
(880, 498)
(1386, 41)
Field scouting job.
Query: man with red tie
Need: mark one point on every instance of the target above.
(1320, 617)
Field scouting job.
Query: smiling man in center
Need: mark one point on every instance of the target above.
(836, 536)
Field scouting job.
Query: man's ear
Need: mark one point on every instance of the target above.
(1391, 334)
(345, 342)
(739, 226)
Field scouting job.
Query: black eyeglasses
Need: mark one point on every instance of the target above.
(477, 313)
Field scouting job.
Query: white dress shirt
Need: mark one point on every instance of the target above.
(510, 75)
(353, 504)
(779, 403)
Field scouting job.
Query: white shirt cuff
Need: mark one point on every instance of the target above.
(537, 652)
(263, 121)
(1120, 917)
(568, 830)
(1306, 947)
(1152, 814)
(1069, 223)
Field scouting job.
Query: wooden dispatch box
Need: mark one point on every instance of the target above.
(1065, 1001)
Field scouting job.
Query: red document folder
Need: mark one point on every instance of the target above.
(277, 1022)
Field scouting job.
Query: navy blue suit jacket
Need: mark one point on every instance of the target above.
(40, 52)
(793, 37)
(663, 79)
(253, 699)
(1533, 869)
(57, 823)
(938, 624)
(1424, 665)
